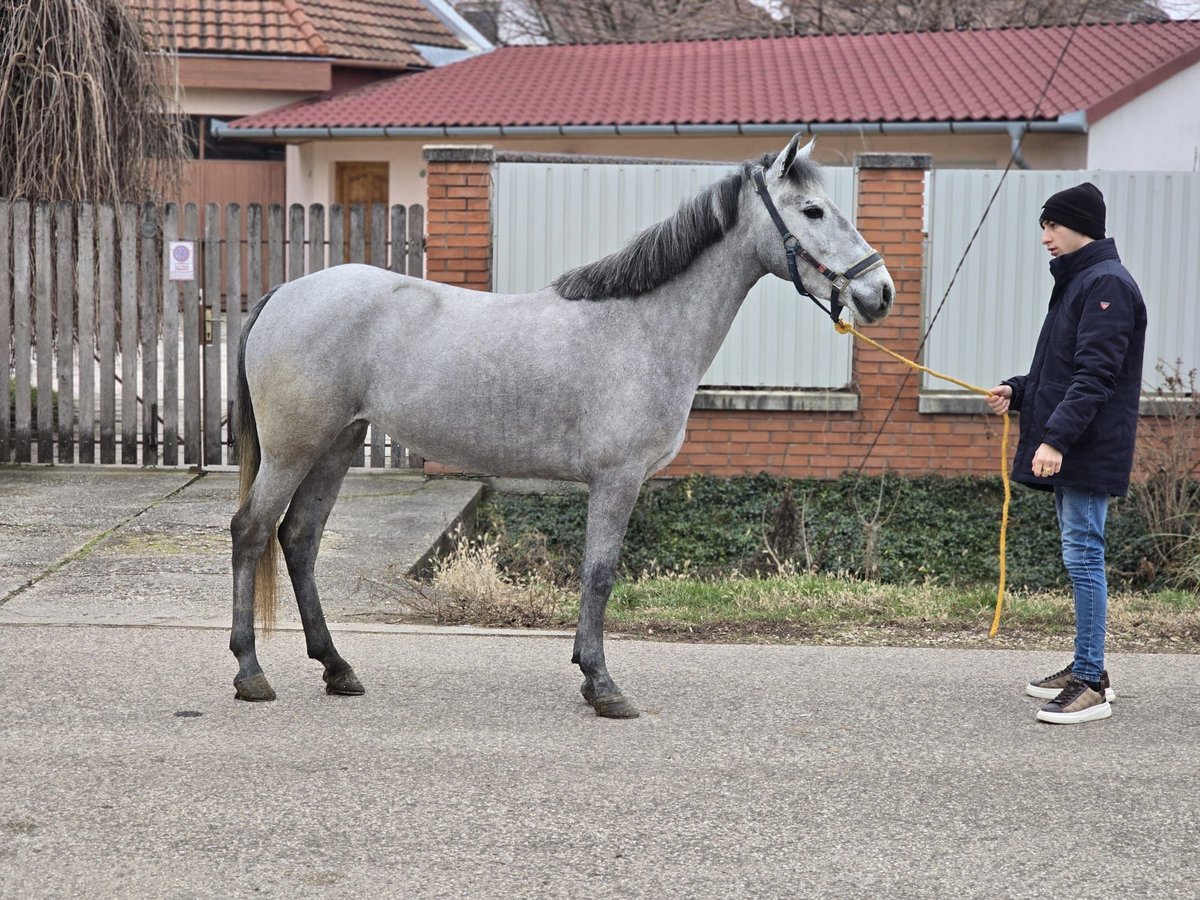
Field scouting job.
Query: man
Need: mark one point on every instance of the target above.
(1079, 412)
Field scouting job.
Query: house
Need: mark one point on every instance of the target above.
(243, 57)
(968, 98)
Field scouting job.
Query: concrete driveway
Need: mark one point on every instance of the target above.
(473, 768)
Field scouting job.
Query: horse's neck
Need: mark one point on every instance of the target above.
(691, 314)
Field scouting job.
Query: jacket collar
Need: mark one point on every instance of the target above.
(1063, 268)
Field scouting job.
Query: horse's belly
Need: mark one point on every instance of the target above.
(492, 452)
(527, 440)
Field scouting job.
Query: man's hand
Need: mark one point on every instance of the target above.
(999, 399)
(1046, 461)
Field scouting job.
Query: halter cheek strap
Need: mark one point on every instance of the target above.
(840, 281)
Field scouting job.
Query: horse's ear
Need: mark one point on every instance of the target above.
(783, 162)
(806, 151)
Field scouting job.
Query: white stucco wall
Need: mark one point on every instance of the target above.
(1158, 131)
(311, 169)
(311, 166)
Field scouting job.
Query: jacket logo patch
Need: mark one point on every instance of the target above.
(1104, 304)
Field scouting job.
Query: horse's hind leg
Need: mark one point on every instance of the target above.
(610, 504)
(252, 529)
(300, 537)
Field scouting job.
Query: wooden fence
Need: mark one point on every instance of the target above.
(113, 361)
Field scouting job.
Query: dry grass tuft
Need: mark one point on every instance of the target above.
(468, 587)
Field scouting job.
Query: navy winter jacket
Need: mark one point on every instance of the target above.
(1081, 394)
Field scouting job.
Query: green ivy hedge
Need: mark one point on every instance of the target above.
(925, 528)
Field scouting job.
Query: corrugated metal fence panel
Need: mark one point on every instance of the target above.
(552, 217)
(990, 321)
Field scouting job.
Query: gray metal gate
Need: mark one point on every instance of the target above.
(550, 217)
(990, 321)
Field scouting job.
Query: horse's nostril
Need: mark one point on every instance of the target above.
(887, 296)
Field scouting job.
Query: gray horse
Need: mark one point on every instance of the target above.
(527, 384)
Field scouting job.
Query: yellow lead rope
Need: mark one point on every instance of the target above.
(847, 328)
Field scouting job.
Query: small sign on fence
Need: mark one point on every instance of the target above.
(183, 261)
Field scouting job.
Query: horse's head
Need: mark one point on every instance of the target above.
(824, 238)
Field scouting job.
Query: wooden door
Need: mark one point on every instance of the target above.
(362, 183)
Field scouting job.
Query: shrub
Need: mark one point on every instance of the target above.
(894, 529)
(1168, 496)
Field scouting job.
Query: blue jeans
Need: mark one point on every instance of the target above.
(1081, 516)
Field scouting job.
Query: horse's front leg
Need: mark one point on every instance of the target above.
(610, 504)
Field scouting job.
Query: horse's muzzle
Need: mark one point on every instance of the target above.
(875, 302)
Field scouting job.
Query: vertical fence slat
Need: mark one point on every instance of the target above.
(295, 242)
(85, 287)
(399, 254)
(358, 233)
(358, 255)
(416, 268)
(378, 254)
(398, 260)
(6, 324)
(337, 235)
(254, 254)
(129, 332)
(22, 331)
(43, 275)
(275, 234)
(378, 244)
(316, 237)
(233, 316)
(212, 335)
(416, 241)
(106, 248)
(254, 275)
(64, 258)
(150, 303)
(192, 340)
(170, 340)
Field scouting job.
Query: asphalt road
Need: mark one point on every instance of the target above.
(472, 767)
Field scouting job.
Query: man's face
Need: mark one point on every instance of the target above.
(1060, 240)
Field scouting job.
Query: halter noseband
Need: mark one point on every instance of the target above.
(791, 245)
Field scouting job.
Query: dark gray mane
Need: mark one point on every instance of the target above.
(665, 250)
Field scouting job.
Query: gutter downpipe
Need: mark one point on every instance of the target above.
(1016, 132)
(1063, 125)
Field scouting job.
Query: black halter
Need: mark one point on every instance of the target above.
(791, 244)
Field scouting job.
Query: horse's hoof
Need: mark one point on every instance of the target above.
(345, 683)
(614, 706)
(588, 694)
(256, 689)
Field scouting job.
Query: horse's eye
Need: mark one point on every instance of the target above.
(814, 212)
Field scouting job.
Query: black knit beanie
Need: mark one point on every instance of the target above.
(1080, 208)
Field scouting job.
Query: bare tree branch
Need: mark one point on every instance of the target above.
(623, 21)
(85, 104)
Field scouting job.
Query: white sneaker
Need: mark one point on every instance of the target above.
(1076, 703)
(1052, 685)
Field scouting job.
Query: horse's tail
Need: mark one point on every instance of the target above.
(265, 576)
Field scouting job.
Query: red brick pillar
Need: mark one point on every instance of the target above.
(891, 195)
(458, 216)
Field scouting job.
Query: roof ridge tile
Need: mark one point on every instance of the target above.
(300, 18)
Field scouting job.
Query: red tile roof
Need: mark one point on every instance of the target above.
(375, 32)
(982, 75)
